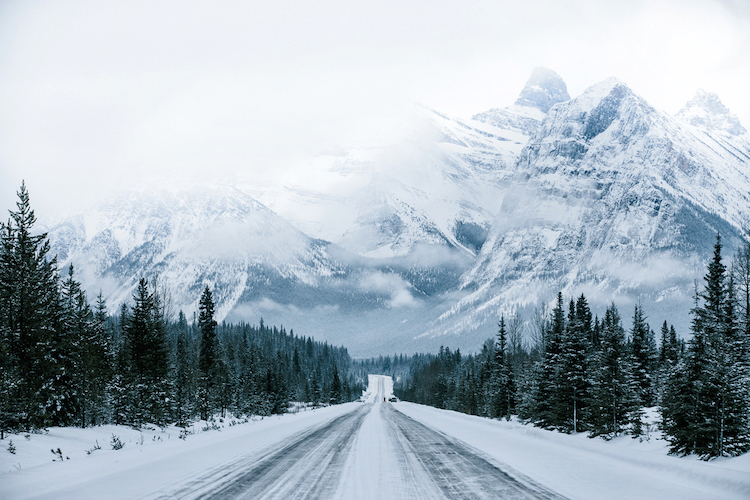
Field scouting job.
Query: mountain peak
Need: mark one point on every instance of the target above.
(706, 111)
(544, 89)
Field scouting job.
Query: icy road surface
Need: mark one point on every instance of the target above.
(371, 452)
(364, 450)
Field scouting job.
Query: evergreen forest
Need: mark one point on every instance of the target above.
(576, 372)
(67, 362)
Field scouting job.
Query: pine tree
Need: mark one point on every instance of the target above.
(550, 413)
(642, 352)
(572, 376)
(704, 409)
(183, 373)
(613, 397)
(498, 382)
(99, 356)
(29, 321)
(145, 349)
(208, 362)
(665, 347)
(335, 387)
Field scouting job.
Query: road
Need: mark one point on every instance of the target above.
(373, 451)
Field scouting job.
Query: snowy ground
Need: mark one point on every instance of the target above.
(370, 449)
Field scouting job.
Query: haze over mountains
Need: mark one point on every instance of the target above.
(426, 241)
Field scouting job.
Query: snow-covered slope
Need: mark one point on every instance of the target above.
(256, 263)
(544, 89)
(213, 236)
(439, 185)
(707, 112)
(613, 198)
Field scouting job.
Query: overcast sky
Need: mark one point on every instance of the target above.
(98, 95)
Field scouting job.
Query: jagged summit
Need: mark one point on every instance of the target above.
(544, 89)
(707, 111)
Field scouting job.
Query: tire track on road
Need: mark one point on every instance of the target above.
(457, 470)
(307, 468)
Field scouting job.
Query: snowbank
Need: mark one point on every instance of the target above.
(584, 468)
(149, 461)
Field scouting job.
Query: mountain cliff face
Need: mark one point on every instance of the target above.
(441, 232)
(439, 185)
(613, 198)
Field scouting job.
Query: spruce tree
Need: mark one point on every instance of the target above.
(29, 322)
(499, 393)
(145, 350)
(704, 409)
(208, 361)
(335, 387)
(641, 348)
(183, 373)
(572, 373)
(550, 413)
(613, 397)
(98, 359)
(642, 355)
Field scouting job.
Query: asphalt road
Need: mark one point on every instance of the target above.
(372, 452)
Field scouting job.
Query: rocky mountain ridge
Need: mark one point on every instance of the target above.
(461, 221)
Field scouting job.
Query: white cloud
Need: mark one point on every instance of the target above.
(390, 284)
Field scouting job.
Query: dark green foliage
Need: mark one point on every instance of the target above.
(572, 377)
(29, 321)
(705, 402)
(499, 389)
(613, 395)
(579, 376)
(644, 355)
(549, 412)
(145, 352)
(212, 374)
(184, 374)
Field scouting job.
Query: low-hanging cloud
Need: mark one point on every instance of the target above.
(393, 285)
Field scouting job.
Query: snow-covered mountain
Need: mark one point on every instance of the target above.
(708, 113)
(257, 264)
(544, 89)
(205, 235)
(442, 184)
(439, 185)
(613, 198)
(398, 245)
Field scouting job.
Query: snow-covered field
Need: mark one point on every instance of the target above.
(356, 450)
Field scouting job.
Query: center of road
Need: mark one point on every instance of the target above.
(371, 452)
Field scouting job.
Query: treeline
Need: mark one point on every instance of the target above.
(64, 362)
(583, 374)
(399, 367)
